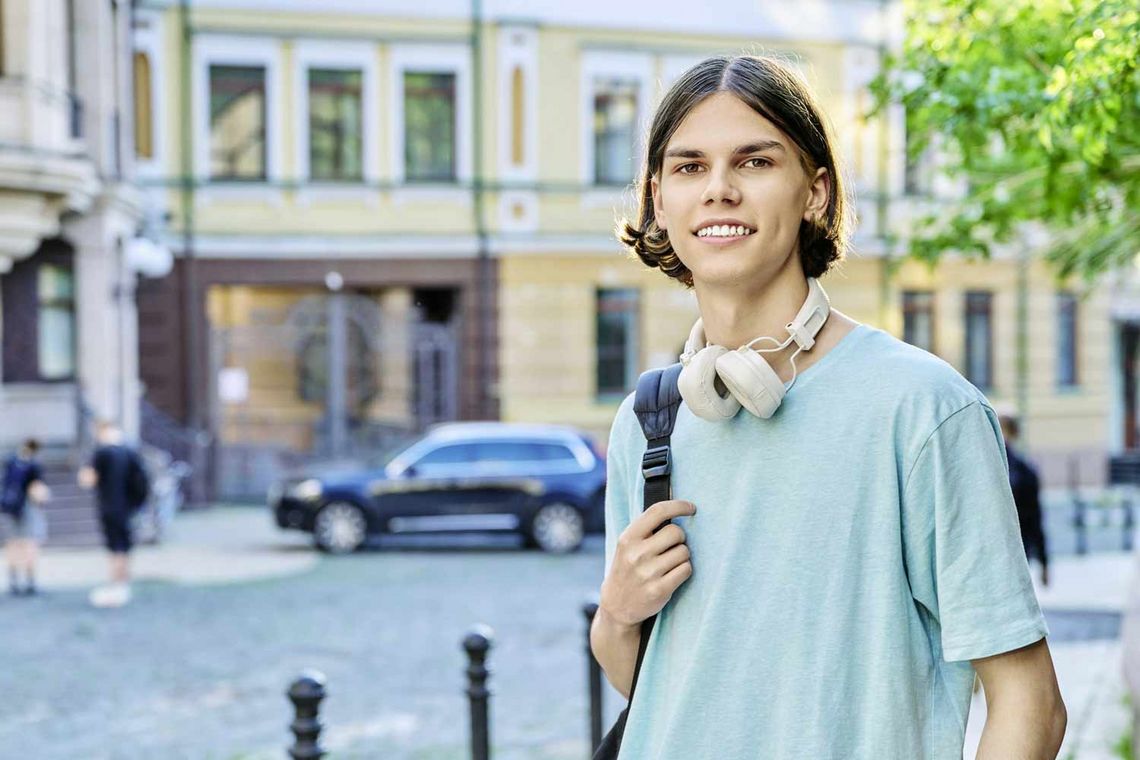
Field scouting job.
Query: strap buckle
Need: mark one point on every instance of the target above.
(656, 463)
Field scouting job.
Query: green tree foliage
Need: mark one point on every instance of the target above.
(1037, 103)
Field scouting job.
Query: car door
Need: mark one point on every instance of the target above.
(505, 477)
(431, 487)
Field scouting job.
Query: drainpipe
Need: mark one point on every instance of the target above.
(189, 291)
(485, 280)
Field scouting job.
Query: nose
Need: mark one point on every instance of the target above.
(720, 187)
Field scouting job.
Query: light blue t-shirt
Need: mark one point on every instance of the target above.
(850, 555)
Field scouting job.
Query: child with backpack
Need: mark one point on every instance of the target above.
(22, 521)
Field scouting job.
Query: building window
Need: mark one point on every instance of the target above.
(518, 111)
(336, 128)
(144, 126)
(237, 122)
(615, 127)
(617, 340)
(56, 340)
(1066, 340)
(918, 319)
(979, 338)
(429, 127)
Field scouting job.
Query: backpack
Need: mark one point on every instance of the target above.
(655, 404)
(138, 484)
(15, 490)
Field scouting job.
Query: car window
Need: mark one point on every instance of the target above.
(454, 453)
(555, 452)
(507, 451)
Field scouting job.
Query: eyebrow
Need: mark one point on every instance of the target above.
(753, 147)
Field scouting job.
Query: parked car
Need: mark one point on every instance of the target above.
(545, 482)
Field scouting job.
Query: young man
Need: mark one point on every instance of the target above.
(22, 520)
(110, 473)
(840, 565)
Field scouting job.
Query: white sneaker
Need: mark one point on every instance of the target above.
(113, 595)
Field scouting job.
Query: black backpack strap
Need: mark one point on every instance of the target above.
(655, 404)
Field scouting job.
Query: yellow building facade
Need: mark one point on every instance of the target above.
(476, 171)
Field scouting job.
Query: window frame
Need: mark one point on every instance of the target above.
(609, 64)
(342, 56)
(1068, 300)
(424, 58)
(967, 311)
(238, 50)
(908, 308)
(632, 349)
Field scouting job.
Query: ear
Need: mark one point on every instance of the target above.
(818, 194)
(658, 210)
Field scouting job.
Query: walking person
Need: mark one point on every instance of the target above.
(24, 525)
(117, 474)
(840, 552)
(1026, 487)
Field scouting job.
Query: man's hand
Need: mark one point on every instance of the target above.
(88, 477)
(651, 561)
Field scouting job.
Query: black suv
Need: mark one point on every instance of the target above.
(546, 482)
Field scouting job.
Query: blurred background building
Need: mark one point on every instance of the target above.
(384, 216)
(70, 215)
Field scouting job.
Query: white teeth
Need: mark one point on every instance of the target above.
(724, 230)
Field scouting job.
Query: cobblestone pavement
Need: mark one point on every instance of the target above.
(199, 671)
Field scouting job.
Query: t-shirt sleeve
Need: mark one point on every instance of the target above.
(619, 506)
(962, 543)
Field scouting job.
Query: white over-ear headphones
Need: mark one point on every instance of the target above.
(749, 379)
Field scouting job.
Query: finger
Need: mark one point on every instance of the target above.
(670, 559)
(677, 576)
(660, 542)
(651, 519)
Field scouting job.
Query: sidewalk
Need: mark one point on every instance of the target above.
(215, 546)
(1089, 672)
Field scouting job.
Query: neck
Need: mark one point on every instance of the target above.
(734, 317)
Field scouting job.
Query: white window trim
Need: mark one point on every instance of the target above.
(355, 56)
(637, 66)
(524, 56)
(149, 41)
(238, 50)
(431, 58)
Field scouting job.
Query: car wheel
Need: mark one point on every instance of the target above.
(340, 528)
(557, 528)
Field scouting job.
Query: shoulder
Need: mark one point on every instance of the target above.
(919, 382)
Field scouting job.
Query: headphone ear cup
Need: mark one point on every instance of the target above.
(697, 384)
(752, 381)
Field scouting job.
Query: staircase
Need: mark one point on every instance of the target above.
(71, 514)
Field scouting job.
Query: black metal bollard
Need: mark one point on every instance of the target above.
(477, 643)
(594, 679)
(306, 694)
(1080, 525)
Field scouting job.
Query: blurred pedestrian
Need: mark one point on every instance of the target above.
(1026, 487)
(22, 520)
(117, 473)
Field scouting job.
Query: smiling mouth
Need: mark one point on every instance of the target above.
(724, 232)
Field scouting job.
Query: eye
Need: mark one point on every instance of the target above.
(762, 162)
(688, 168)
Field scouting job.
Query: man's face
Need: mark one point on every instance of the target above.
(728, 164)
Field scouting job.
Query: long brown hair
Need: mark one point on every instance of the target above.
(776, 92)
